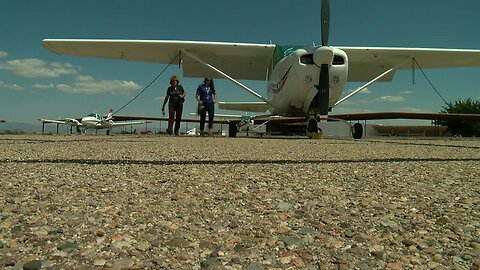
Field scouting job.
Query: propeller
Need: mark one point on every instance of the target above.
(323, 57)
(325, 21)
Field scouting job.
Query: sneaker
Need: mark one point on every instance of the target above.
(169, 132)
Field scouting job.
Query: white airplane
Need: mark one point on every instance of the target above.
(305, 81)
(93, 121)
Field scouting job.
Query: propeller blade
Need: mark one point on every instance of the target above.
(325, 17)
(323, 92)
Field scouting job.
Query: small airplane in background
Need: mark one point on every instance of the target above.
(2, 121)
(93, 121)
(306, 82)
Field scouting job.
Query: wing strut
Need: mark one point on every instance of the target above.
(196, 58)
(370, 82)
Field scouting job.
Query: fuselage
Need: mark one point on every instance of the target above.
(94, 120)
(293, 76)
(72, 122)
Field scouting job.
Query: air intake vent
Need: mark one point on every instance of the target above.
(338, 60)
(307, 59)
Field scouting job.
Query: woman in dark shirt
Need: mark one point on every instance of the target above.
(175, 97)
(206, 98)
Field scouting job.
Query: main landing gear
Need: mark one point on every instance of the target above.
(314, 132)
(357, 131)
(232, 129)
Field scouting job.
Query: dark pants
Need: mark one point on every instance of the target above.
(210, 108)
(174, 112)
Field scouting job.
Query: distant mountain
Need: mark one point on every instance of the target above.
(16, 127)
(19, 127)
(29, 128)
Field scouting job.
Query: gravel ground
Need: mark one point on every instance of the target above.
(156, 202)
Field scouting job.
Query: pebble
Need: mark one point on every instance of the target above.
(37, 264)
(99, 262)
(123, 263)
(68, 246)
(291, 241)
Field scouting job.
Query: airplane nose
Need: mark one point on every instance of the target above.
(323, 56)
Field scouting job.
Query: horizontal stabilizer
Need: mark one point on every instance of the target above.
(244, 106)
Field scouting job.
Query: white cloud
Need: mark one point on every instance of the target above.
(364, 91)
(37, 68)
(412, 109)
(9, 86)
(43, 86)
(350, 110)
(382, 99)
(89, 85)
(408, 92)
(3, 54)
(390, 99)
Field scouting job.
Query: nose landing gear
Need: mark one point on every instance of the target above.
(313, 131)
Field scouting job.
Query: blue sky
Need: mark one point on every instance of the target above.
(36, 83)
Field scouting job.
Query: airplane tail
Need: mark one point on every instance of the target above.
(110, 115)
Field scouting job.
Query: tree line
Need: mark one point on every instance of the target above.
(462, 127)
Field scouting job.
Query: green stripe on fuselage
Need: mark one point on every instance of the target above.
(282, 51)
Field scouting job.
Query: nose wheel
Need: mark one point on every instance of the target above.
(313, 131)
(312, 125)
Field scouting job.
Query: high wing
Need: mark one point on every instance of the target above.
(239, 60)
(251, 61)
(365, 63)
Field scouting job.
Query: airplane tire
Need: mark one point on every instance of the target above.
(357, 131)
(312, 125)
(108, 132)
(232, 130)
